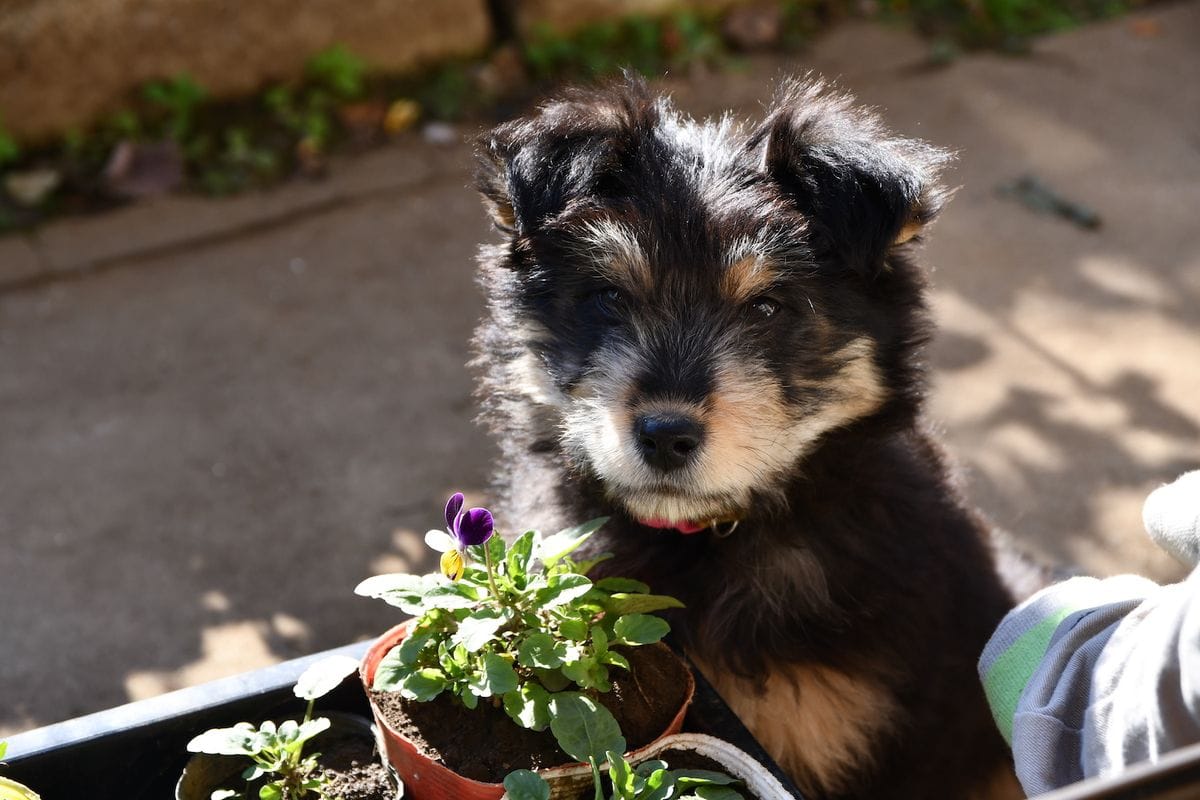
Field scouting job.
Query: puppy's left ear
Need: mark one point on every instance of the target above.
(864, 191)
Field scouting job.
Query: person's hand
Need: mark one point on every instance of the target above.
(1172, 517)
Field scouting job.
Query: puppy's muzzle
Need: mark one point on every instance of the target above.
(667, 442)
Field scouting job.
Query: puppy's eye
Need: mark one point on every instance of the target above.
(765, 307)
(609, 303)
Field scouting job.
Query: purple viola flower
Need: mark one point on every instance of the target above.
(464, 528)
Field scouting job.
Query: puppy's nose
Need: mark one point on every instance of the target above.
(667, 441)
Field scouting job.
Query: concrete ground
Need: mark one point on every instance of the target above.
(239, 409)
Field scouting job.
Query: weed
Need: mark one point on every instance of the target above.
(337, 70)
(178, 99)
(10, 151)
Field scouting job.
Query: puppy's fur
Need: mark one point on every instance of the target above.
(757, 283)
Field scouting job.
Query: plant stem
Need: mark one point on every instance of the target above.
(487, 562)
(596, 778)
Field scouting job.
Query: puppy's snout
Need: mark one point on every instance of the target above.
(667, 441)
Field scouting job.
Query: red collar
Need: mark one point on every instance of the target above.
(720, 527)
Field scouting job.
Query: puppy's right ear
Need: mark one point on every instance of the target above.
(492, 181)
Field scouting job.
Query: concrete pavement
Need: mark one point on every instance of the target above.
(244, 407)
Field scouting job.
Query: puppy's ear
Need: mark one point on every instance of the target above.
(531, 168)
(864, 191)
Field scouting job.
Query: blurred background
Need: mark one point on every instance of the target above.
(236, 287)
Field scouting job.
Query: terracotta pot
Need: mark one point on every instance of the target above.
(426, 779)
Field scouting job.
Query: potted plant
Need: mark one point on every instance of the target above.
(280, 768)
(511, 649)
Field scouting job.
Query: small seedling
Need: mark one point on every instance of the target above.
(650, 780)
(277, 751)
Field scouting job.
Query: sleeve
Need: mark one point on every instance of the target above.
(1090, 676)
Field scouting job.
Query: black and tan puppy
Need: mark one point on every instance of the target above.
(714, 334)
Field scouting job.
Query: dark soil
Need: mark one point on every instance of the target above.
(360, 782)
(485, 745)
(689, 759)
(353, 769)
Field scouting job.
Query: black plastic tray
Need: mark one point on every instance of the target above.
(137, 751)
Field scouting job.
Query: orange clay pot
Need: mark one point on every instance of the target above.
(426, 779)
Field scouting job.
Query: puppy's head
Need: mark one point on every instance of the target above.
(697, 304)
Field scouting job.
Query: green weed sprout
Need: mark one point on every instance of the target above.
(277, 751)
(650, 780)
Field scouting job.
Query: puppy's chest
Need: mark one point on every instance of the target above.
(822, 726)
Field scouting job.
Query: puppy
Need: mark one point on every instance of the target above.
(713, 334)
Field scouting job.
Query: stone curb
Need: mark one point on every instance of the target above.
(82, 244)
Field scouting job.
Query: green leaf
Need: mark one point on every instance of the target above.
(324, 676)
(562, 589)
(498, 676)
(240, 740)
(622, 777)
(717, 793)
(451, 596)
(289, 729)
(392, 671)
(422, 685)
(494, 546)
(520, 553)
(701, 777)
(584, 729)
(574, 629)
(522, 784)
(647, 768)
(478, 629)
(584, 567)
(307, 731)
(529, 706)
(270, 791)
(410, 649)
(615, 659)
(658, 786)
(621, 603)
(640, 629)
(599, 640)
(541, 650)
(406, 592)
(554, 548)
(252, 773)
(587, 673)
(3, 749)
(552, 679)
(622, 585)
